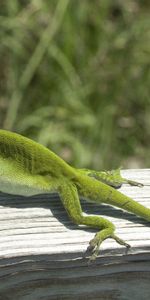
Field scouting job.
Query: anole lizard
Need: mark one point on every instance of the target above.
(28, 168)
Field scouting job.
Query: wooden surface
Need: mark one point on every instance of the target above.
(42, 251)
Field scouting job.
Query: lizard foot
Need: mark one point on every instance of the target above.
(95, 243)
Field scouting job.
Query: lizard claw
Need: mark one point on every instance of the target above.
(93, 248)
(134, 183)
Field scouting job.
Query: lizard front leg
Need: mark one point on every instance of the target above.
(71, 202)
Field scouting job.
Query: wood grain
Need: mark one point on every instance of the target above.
(42, 251)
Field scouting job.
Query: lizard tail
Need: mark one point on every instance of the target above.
(96, 191)
(124, 202)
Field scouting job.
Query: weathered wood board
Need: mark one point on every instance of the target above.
(42, 251)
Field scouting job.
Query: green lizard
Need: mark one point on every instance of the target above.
(28, 168)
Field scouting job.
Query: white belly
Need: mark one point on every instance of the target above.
(15, 181)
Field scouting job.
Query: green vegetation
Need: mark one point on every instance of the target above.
(75, 76)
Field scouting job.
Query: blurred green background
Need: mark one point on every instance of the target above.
(75, 76)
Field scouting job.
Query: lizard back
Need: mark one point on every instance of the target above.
(24, 162)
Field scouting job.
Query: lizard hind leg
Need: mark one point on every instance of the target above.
(112, 177)
(71, 202)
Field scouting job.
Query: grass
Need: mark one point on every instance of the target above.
(75, 77)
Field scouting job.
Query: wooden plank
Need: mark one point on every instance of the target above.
(42, 251)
